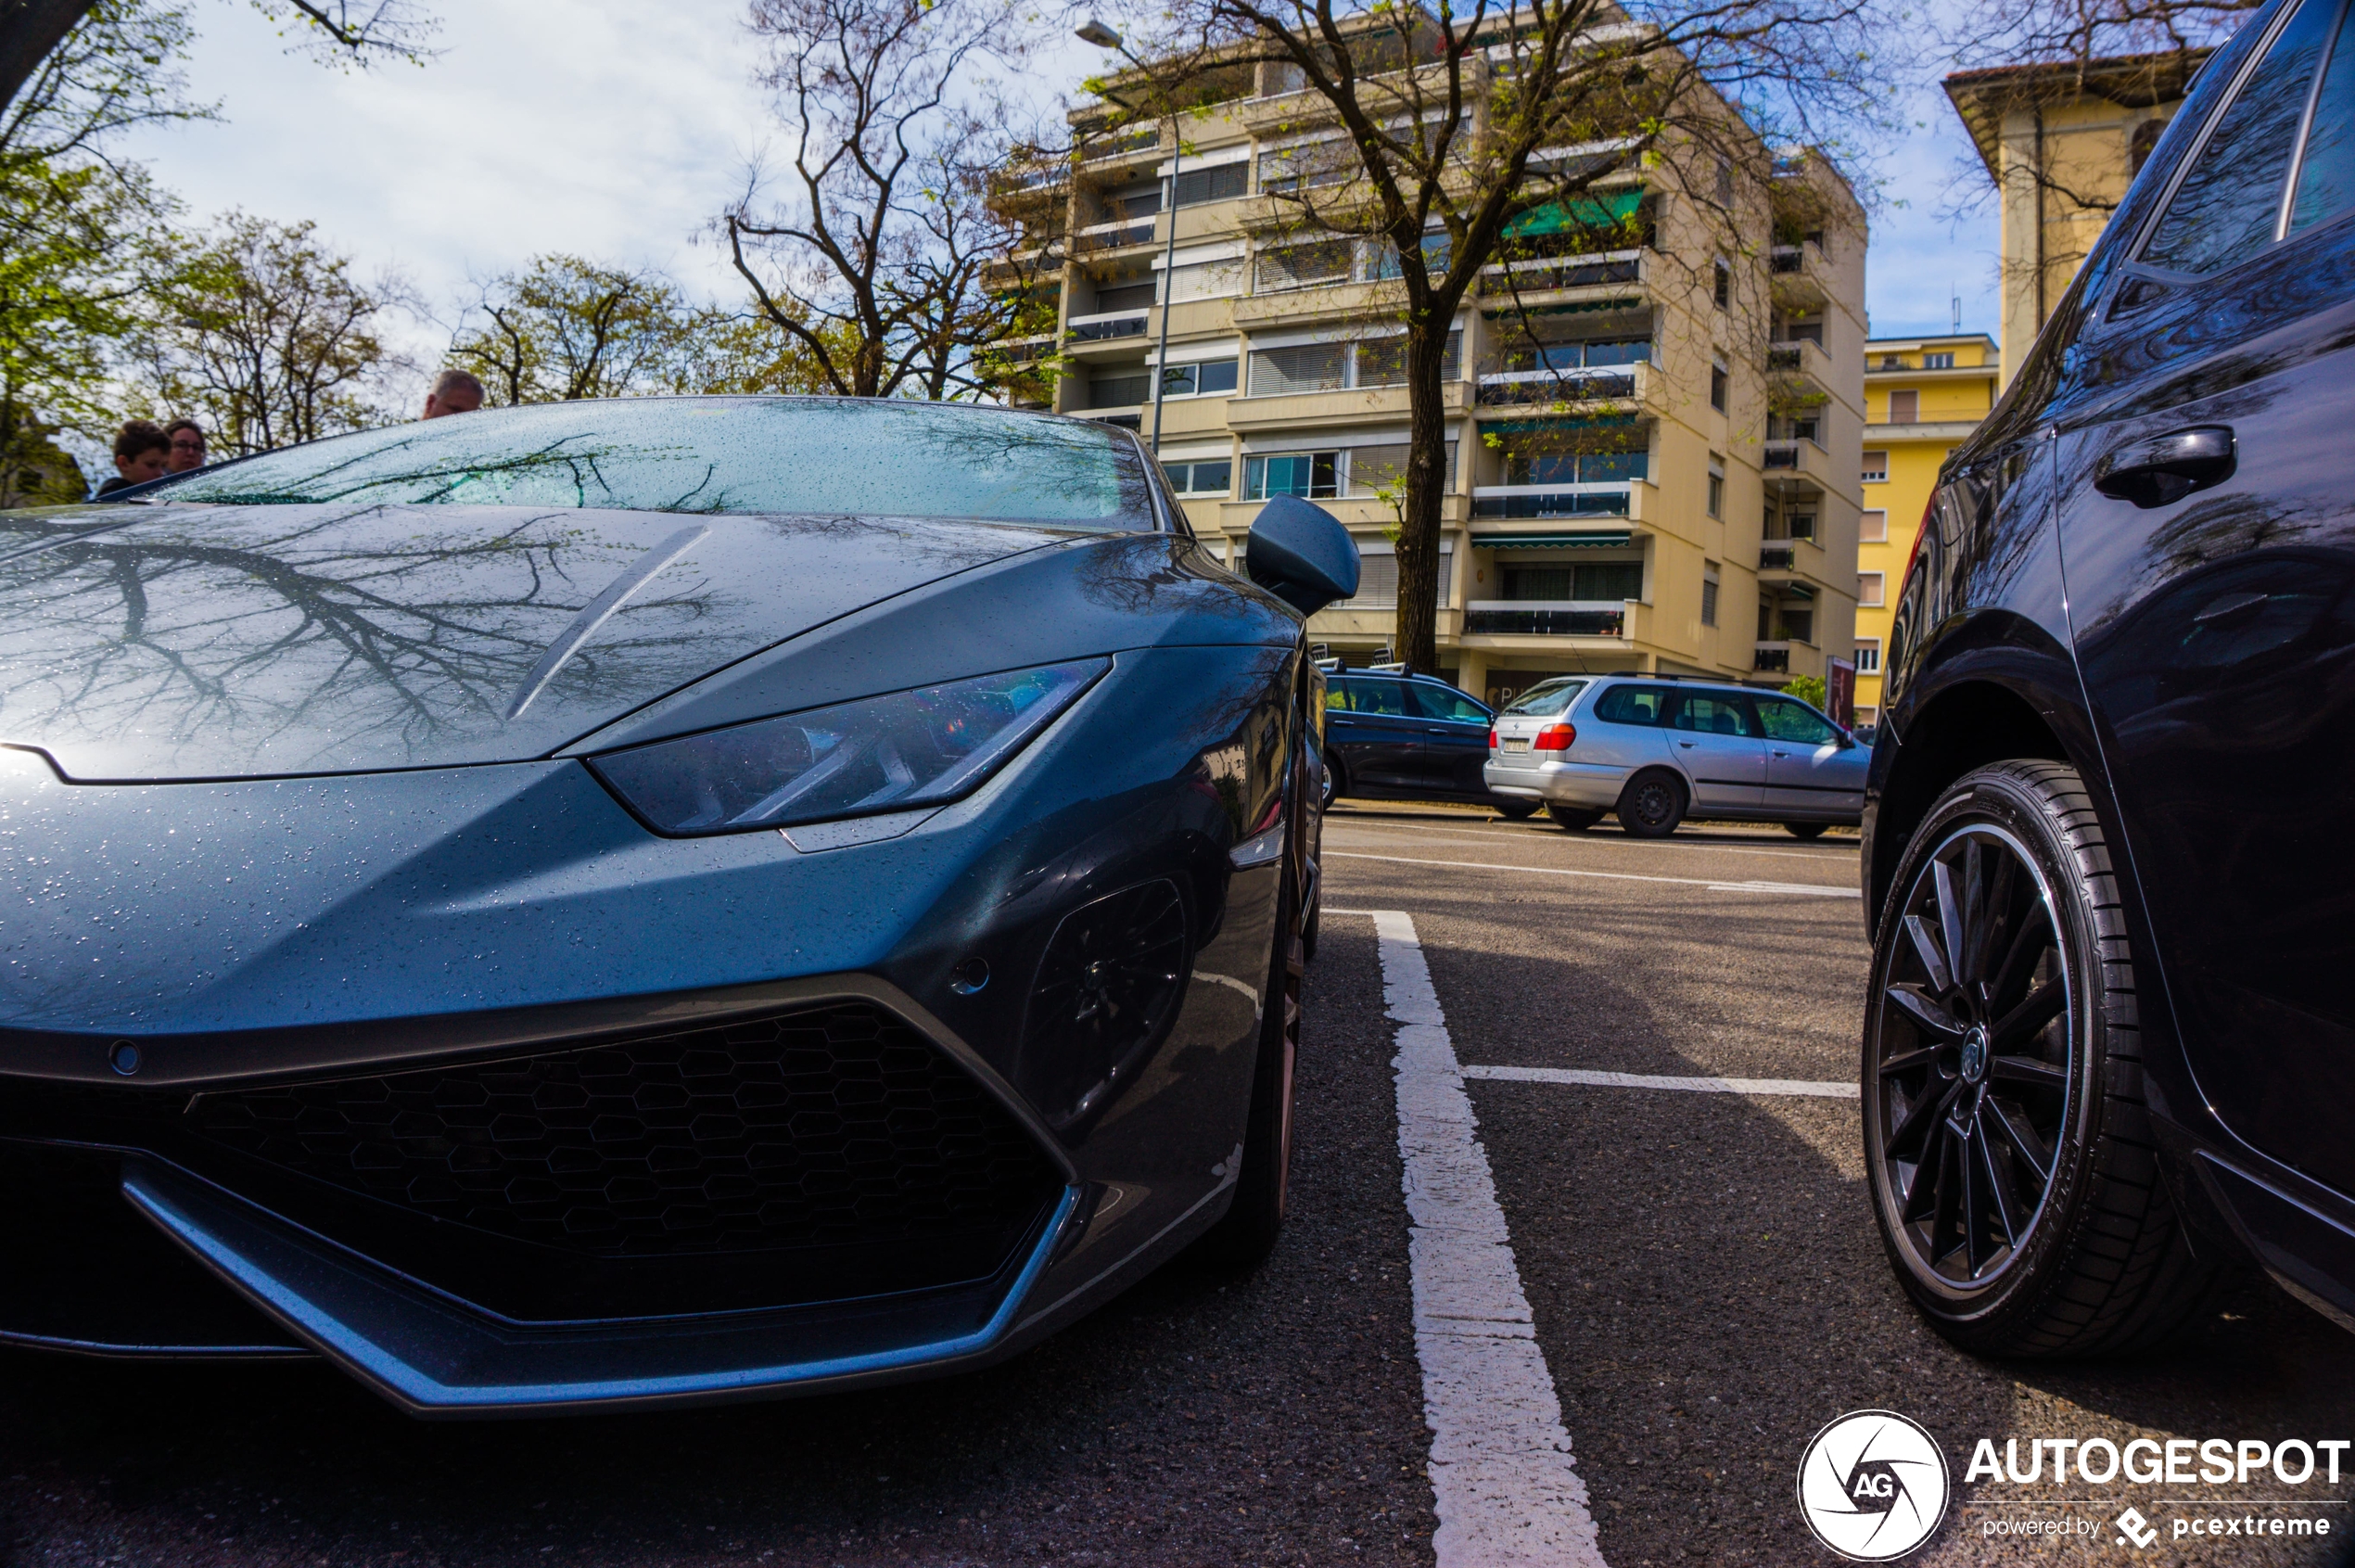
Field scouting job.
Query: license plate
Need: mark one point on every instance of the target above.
(1504, 744)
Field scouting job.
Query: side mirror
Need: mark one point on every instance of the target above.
(1302, 555)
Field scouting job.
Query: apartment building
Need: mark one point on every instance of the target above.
(1923, 397)
(2061, 141)
(1652, 448)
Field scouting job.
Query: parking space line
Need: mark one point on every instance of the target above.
(1564, 840)
(1507, 1491)
(1648, 1080)
(1810, 889)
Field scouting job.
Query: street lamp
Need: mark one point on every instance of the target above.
(1096, 32)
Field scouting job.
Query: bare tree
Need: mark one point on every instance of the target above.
(882, 258)
(567, 329)
(357, 32)
(270, 333)
(1451, 127)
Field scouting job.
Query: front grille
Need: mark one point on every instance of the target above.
(840, 1126)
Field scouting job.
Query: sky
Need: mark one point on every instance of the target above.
(616, 130)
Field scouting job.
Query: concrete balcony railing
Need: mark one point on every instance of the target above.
(1515, 387)
(1797, 458)
(1567, 617)
(1101, 329)
(1608, 499)
(1802, 357)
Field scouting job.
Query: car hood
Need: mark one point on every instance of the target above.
(202, 641)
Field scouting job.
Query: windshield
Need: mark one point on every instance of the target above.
(1547, 698)
(823, 456)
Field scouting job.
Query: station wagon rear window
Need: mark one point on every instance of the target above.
(1634, 704)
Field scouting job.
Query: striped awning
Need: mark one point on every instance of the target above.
(1595, 539)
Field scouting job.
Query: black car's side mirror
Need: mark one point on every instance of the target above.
(1302, 555)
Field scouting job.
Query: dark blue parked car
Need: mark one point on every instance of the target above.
(1409, 737)
(2110, 1049)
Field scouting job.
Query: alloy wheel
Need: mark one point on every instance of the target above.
(1974, 1060)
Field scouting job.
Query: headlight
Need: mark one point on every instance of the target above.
(879, 754)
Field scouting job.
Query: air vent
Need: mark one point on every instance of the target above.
(1107, 989)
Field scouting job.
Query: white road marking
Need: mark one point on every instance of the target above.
(1648, 1081)
(1812, 890)
(1507, 1490)
(1565, 840)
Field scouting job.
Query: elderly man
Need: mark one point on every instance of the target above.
(141, 449)
(187, 446)
(454, 392)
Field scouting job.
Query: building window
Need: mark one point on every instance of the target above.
(1708, 593)
(1222, 183)
(1723, 289)
(1938, 361)
(1904, 407)
(1876, 467)
(1316, 475)
(1328, 367)
(1718, 387)
(1716, 489)
(1378, 580)
(1874, 529)
(1204, 378)
(1370, 467)
(1210, 477)
(1116, 392)
(1305, 266)
(1868, 588)
(1868, 658)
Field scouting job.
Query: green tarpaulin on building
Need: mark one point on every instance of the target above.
(1586, 212)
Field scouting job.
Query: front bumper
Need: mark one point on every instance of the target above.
(1572, 784)
(468, 1083)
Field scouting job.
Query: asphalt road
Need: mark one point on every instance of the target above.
(1706, 1287)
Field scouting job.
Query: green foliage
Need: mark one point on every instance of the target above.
(1806, 688)
(266, 336)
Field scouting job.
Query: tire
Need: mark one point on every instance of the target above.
(1652, 804)
(2046, 1227)
(1805, 830)
(1518, 810)
(1572, 819)
(1336, 780)
(1244, 1236)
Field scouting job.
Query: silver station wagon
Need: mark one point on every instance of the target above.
(1654, 750)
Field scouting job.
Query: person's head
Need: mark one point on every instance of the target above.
(187, 446)
(140, 451)
(454, 392)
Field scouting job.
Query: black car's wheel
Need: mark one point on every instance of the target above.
(1805, 830)
(1652, 804)
(1247, 1233)
(2012, 1166)
(1575, 818)
(1518, 810)
(1336, 782)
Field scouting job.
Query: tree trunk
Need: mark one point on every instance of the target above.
(28, 30)
(1417, 642)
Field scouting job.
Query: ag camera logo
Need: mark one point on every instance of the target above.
(1873, 1486)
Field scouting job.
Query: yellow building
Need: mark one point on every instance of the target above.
(1923, 396)
(2062, 142)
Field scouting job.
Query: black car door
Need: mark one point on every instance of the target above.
(2207, 539)
(1372, 731)
(1454, 746)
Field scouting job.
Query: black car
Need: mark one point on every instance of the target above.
(1409, 737)
(2109, 1047)
(637, 902)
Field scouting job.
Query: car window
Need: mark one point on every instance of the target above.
(1547, 700)
(1440, 703)
(2326, 167)
(1633, 704)
(832, 457)
(1361, 695)
(2226, 208)
(1786, 720)
(1713, 715)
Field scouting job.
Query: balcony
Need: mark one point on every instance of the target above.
(1117, 235)
(1779, 558)
(1796, 273)
(1124, 145)
(1551, 501)
(1103, 328)
(1801, 357)
(1613, 268)
(1771, 659)
(1793, 558)
(1795, 463)
(1513, 387)
(1525, 618)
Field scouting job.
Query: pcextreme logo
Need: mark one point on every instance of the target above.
(1873, 1486)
